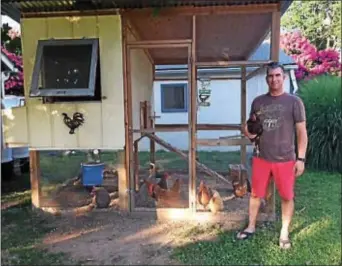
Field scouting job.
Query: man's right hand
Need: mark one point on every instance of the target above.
(244, 130)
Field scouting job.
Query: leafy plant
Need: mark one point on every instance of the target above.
(319, 21)
(322, 100)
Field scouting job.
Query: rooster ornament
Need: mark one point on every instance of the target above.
(76, 121)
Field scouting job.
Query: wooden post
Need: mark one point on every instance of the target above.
(275, 36)
(35, 178)
(136, 165)
(124, 187)
(275, 39)
(243, 147)
(152, 125)
(123, 181)
(192, 118)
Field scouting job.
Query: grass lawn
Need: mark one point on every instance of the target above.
(316, 232)
(316, 227)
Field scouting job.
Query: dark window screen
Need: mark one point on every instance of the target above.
(66, 67)
(174, 97)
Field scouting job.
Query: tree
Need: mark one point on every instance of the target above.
(311, 61)
(318, 21)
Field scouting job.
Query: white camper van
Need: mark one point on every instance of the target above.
(9, 156)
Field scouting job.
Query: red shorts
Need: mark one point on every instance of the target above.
(282, 173)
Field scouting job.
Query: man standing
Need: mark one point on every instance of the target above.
(281, 115)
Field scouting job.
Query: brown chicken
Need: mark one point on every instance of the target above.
(216, 202)
(151, 186)
(204, 194)
(240, 190)
(170, 198)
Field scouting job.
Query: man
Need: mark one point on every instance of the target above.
(282, 115)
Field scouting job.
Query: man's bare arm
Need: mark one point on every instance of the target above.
(302, 138)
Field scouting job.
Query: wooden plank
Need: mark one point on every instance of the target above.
(223, 142)
(243, 151)
(275, 36)
(207, 170)
(35, 178)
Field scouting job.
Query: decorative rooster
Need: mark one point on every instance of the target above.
(76, 121)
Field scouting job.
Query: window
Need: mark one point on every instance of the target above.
(67, 70)
(174, 98)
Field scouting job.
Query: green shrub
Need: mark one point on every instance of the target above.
(322, 100)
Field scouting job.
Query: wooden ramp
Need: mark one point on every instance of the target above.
(185, 156)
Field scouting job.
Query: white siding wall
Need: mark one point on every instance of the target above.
(225, 105)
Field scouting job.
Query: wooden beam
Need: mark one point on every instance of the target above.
(183, 43)
(233, 63)
(254, 73)
(204, 11)
(185, 156)
(192, 120)
(137, 36)
(136, 165)
(275, 36)
(125, 201)
(243, 151)
(223, 142)
(123, 185)
(184, 127)
(275, 43)
(35, 178)
(216, 77)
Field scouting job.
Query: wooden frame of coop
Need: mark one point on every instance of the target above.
(148, 128)
(189, 36)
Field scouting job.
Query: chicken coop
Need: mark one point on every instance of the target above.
(89, 68)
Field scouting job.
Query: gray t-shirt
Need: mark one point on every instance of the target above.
(278, 117)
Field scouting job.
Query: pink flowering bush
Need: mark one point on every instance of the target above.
(311, 62)
(15, 83)
(11, 47)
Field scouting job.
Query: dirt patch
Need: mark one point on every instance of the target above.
(102, 238)
(114, 238)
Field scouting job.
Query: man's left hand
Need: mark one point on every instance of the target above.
(299, 168)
